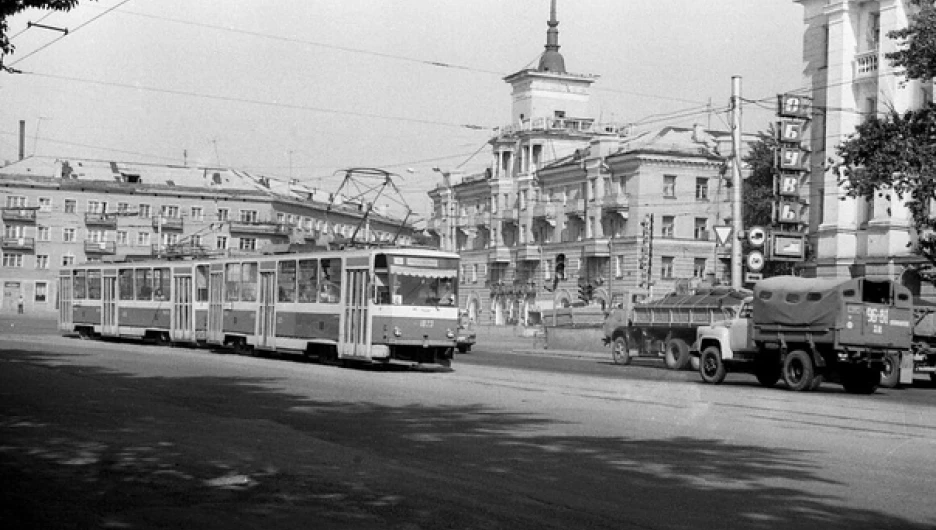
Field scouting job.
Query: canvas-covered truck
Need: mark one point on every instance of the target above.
(667, 327)
(808, 330)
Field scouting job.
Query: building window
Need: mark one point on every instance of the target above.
(221, 242)
(547, 269)
(474, 273)
(666, 268)
(248, 216)
(145, 210)
(122, 237)
(281, 218)
(874, 30)
(698, 268)
(170, 211)
(95, 236)
(224, 214)
(14, 231)
(16, 201)
(701, 189)
(197, 240)
(123, 207)
(669, 186)
(70, 205)
(198, 213)
(97, 207)
(68, 235)
(12, 260)
(42, 291)
(143, 239)
(668, 226)
(45, 204)
(619, 266)
(170, 238)
(42, 261)
(701, 229)
(68, 260)
(248, 243)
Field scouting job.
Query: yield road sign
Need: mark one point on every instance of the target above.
(755, 261)
(722, 235)
(757, 236)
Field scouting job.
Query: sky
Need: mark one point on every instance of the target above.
(303, 89)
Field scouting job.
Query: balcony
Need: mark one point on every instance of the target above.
(575, 208)
(102, 220)
(18, 243)
(617, 203)
(528, 253)
(500, 254)
(264, 228)
(100, 247)
(180, 250)
(866, 65)
(596, 248)
(24, 215)
(167, 223)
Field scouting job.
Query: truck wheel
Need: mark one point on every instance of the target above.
(860, 379)
(890, 375)
(798, 371)
(711, 367)
(677, 354)
(620, 350)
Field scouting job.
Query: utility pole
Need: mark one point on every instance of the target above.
(736, 221)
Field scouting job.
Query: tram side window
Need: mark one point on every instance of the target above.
(286, 281)
(81, 285)
(249, 282)
(201, 283)
(161, 280)
(125, 284)
(308, 280)
(232, 282)
(94, 285)
(331, 280)
(143, 285)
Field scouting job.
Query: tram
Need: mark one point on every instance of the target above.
(375, 305)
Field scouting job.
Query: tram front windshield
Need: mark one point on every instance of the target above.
(423, 291)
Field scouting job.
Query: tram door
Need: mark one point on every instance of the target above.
(354, 338)
(109, 310)
(183, 317)
(215, 307)
(266, 311)
(66, 314)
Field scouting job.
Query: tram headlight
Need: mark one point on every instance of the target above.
(449, 334)
(397, 332)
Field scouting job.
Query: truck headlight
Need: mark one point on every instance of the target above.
(397, 332)
(449, 334)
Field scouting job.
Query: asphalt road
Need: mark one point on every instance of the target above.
(123, 435)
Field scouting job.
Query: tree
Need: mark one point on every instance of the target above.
(895, 154)
(9, 8)
(758, 193)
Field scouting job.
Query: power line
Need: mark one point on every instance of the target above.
(258, 102)
(72, 32)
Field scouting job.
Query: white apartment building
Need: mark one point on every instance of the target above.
(849, 78)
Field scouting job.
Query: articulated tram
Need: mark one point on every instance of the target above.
(373, 305)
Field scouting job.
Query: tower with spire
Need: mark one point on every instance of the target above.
(549, 91)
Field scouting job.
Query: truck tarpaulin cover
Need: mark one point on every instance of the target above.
(794, 301)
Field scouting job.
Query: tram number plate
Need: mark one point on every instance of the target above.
(426, 323)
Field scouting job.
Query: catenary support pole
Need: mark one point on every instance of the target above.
(736, 221)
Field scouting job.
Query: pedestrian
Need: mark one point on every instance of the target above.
(20, 304)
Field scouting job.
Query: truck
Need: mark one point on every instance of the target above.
(922, 357)
(810, 330)
(668, 326)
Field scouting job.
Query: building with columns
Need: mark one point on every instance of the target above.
(565, 207)
(850, 79)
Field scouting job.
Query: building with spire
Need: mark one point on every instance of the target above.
(573, 211)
